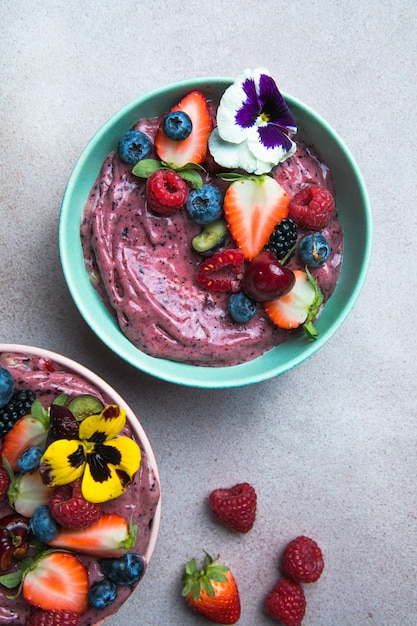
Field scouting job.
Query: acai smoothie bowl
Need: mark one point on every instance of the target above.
(79, 493)
(215, 232)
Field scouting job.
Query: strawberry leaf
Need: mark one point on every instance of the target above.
(11, 580)
(146, 167)
(192, 177)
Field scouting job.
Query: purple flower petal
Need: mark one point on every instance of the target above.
(247, 115)
(271, 136)
(273, 105)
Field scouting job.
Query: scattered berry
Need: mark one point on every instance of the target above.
(43, 524)
(134, 146)
(212, 591)
(177, 125)
(314, 249)
(286, 602)
(17, 407)
(265, 278)
(167, 192)
(102, 593)
(235, 507)
(312, 207)
(27, 492)
(302, 560)
(205, 205)
(53, 618)
(14, 539)
(6, 386)
(28, 431)
(283, 239)
(125, 571)
(223, 271)
(29, 459)
(241, 307)
(4, 483)
(213, 237)
(71, 510)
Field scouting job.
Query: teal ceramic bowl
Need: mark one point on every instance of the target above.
(353, 210)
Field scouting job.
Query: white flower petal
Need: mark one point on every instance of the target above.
(270, 155)
(236, 156)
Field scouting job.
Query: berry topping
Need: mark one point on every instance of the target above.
(102, 593)
(222, 271)
(70, 509)
(213, 237)
(84, 405)
(134, 146)
(177, 125)
(27, 492)
(28, 431)
(193, 149)
(29, 460)
(43, 524)
(314, 249)
(17, 407)
(166, 191)
(205, 205)
(283, 239)
(53, 618)
(125, 571)
(4, 483)
(241, 308)
(312, 207)
(302, 560)
(235, 507)
(6, 386)
(14, 538)
(252, 207)
(62, 424)
(265, 278)
(286, 602)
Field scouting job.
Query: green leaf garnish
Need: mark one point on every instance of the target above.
(146, 167)
(192, 177)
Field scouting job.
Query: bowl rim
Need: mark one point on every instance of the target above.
(182, 373)
(83, 372)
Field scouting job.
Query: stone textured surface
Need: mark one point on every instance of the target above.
(329, 446)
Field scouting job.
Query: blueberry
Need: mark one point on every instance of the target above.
(205, 205)
(314, 249)
(127, 570)
(177, 126)
(6, 386)
(29, 459)
(241, 308)
(102, 593)
(43, 524)
(134, 146)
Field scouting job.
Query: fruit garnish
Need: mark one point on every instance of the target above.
(252, 208)
(313, 250)
(42, 524)
(4, 483)
(52, 618)
(111, 536)
(283, 239)
(102, 593)
(193, 149)
(235, 507)
(18, 406)
(222, 272)
(211, 238)
(241, 307)
(302, 560)
(297, 307)
(134, 146)
(177, 125)
(212, 591)
(84, 405)
(127, 570)
(166, 192)
(205, 205)
(29, 460)
(265, 278)
(286, 602)
(28, 431)
(6, 386)
(312, 207)
(71, 510)
(26, 492)
(14, 539)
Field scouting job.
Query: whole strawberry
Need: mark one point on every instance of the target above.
(212, 591)
(286, 602)
(235, 507)
(302, 560)
(53, 618)
(312, 207)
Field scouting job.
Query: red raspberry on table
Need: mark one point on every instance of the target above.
(166, 191)
(286, 602)
(302, 560)
(4, 483)
(312, 207)
(70, 509)
(235, 507)
(53, 618)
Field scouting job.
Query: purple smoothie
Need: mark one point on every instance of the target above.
(139, 502)
(144, 268)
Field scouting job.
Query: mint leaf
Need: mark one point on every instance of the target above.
(146, 167)
(192, 177)
(12, 580)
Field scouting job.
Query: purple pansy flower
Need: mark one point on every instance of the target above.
(253, 125)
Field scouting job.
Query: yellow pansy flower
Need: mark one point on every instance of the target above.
(105, 461)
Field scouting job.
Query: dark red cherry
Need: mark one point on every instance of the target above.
(265, 278)
(14, 538)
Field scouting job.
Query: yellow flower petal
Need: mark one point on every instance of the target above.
(62, 462)
(130, 453)
(107, 425)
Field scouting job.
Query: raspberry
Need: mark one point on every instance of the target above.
(4, 483)
(167, 192)
(282, 239)
(53, 618)
(302, 560)
(312, 207)
(71, 510)
(286, 602)
(222, 271)
(19, 405)
(235, 507)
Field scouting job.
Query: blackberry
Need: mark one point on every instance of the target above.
(17, 407)
(283, 238)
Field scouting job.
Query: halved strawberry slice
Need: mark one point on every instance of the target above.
(299, 306)
(27, 431)
(27, 492)
(58, 581)
(252, 207)
(110, 537)
(193, 149)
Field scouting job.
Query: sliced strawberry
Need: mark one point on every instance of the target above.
(27, 431)
(253, 207)
(57, 581)
(110, 537)
(193, 149)
(27, 492)
(298, 306)
(223, 271)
